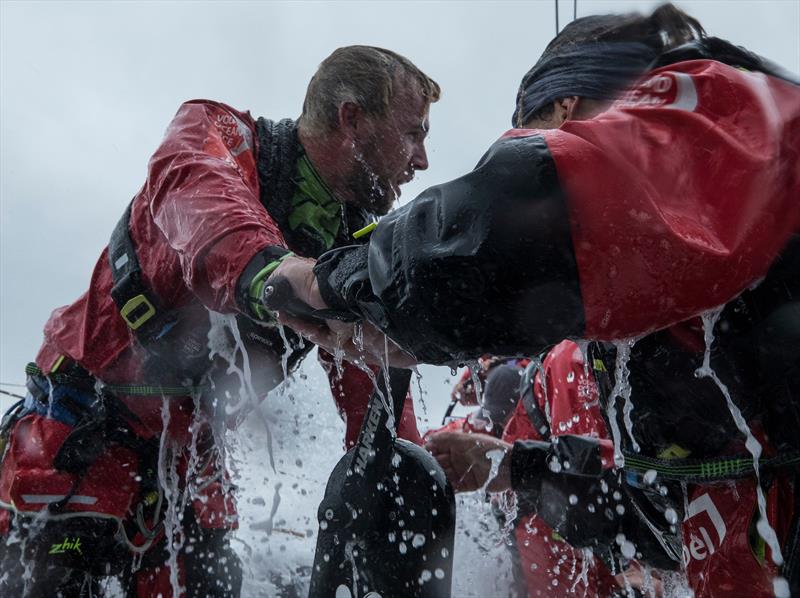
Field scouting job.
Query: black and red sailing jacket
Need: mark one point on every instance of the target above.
(673, 202)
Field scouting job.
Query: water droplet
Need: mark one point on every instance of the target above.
(403, 548)
(573, 500)
(439, 573)
(628, 550)
(570, 376)
(649, 476)
(781, 587)
(626, 546)
(418, 541)
(671, 516)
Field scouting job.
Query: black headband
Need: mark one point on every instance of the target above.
(594, 70)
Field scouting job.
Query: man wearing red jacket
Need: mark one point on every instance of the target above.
(114, 464)
(627, 221)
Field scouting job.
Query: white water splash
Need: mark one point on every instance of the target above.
(763, 526)
(496, 457)
(223, 330)
(621, 389)
(169, 481)
(418, 377)
(587, 561)
(474, 368)
(625, 389)
(287, 351)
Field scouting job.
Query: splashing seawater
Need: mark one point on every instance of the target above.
(496, 457)
(625, 389)
(418, 377)
(223, 330)
(287, 351)
(622, 389)
(763, 526)
(168, 479)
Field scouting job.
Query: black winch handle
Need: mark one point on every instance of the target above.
(279, 296)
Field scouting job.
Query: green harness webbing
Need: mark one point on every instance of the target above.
(706, 470)
(145, 390)
(682, 469)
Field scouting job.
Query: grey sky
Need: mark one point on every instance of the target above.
(87, 89)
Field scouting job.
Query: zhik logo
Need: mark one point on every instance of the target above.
(700, 547)
(368, 439)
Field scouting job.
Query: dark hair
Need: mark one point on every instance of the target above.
(599, 55)
(666, 28)
(365, 75)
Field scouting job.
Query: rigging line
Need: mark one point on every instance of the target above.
(11, 394)
(574, 9)
(11, 384)
(556, 3)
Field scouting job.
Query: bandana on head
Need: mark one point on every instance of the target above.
(593, 70)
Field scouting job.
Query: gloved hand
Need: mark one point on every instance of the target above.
(360, 341)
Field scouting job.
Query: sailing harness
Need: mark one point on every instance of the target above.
(98, 419)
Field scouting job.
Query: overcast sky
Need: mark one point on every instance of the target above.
(87, 90)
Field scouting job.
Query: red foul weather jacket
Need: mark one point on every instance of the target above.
(201, 219)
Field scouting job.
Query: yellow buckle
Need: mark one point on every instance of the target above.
(132, 312)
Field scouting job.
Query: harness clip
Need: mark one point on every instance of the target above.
(137, 311)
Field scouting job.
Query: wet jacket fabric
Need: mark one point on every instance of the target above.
(196, 223)
(669, 204)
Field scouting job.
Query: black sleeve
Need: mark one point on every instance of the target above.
(482, 264)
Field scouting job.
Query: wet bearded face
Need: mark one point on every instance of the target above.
(388, 150)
